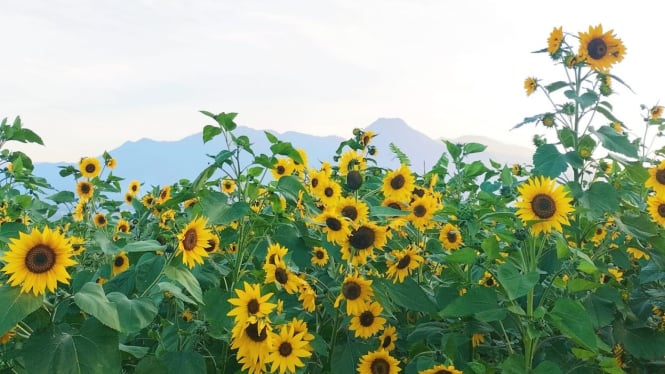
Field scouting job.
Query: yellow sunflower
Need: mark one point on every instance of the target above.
(378, 362)
(84, 190)
(398, 184)
(656, 178)
(388, 338)
(330, 192)
(78, 244)
(656, 111)
(442, 369)
(148, 201)
(276, 253)
(355, 210)
(320, 256)
(545, 203)
(283, 166)
(600, 49)
(530, 85)
(192, 241)
(122, 226)
(368, 322)
(367, 237)
(253, 340)
(38, 261)
(300, 326)
(422, 210)
(111, 163)
(477, 339)
(351, 160)
(554, 40)
(656, 208)
(450, 237)
(300, 167)
(228, 186)
(164, 195)
(134, 187)
(129, 198)
(366, 137)
(487, 280)
(287, 351)
(336, 228)
(7, 337)
(637, 253)
(187, 315)
(356, 291)
(405, 261)
(90, 167)
(278, 273)
(79, 211)
(213, 244)
(100, 220)
(517, 169)
(307, 296)
(250, 303)
(314, 181)
(120, 263)
(599, 234)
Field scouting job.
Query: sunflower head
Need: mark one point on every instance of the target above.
(543, 203)
(554, 41)
(90, 167)
(228, 186)
(120, 263)
(600, 50)
(530, 85)
(192, 242)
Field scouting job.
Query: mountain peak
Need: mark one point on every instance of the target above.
(388, 125)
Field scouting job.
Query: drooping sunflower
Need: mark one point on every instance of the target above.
(281, 275)
(307, 296)
(405, 261)
(84, 190)
(450, 237)
(283, 166)
(100, 220)
(122, 226)
(530, 85)
(320, 256)
(366, 137)
(356, 291)
(275, 253)
(422, 210)
(336, 228)
(388, 338)
(355, 210)
(79, 211)
(656, 111)
(38, 261)
(656, 178)
(134, 187)
(250, 303)
(90, 167)
(120, 263)
(287, 350)
(637, 253)
(554, 40)
(111, 163)
(442, 369)
(192, 241)
(378, 362)
(351, 160)
(228, 186)
(600, 50)
(368, 322)
(545, 203)
(477, 339)
(213, 244)
(398, 184)
(164, 195)
(656, 208)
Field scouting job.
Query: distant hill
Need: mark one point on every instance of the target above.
(158, 163)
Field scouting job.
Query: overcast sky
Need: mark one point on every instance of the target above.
(90, 75)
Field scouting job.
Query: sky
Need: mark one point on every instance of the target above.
(88, 76)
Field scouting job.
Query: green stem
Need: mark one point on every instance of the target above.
(333, 338)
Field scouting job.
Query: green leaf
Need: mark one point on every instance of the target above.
(475, 300)
(215, 309)
(401, 156)
(144, 246)
(639, 226)
(547, 367)
(93, 349)
(515, 283)
(183, 276)
(271, 138)
(138, 352)
(202, 178)
(470, 148)
(134, 314)
(184, 363)
(566, 137)
(548, 161)
(607, 114)
(219, 211)
(92, 300)
(407, 294)
(615, 142)
(491, 247)
(16, 306)
(290, 185)
(286, 149)
(174, 290)
(386, 211)
(579, 284)
(63, 197)
(454, 149)
(514, 364)
(569, 316)
(556, 86)
(209, 132)
(462, 256)
(643, 343)
(475, 169)
(601, 198)
(147, 269)
(587, 99)
(150, 365)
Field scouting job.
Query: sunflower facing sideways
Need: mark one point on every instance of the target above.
(600, 50)
(378, 362)
(656, 208)
(656, 178)
(545, 203)
(554, 41)
(388, 338)
(38, 261)
(192, 242)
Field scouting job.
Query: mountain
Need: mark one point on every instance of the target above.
(158, 163)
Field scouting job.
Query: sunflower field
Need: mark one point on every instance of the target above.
(345, 266)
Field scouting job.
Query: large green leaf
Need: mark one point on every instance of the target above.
(184, 363)
(209, 132)
(147, 270)
(601, 198)
(143, 246)
(15, 306)
(407, 294)
(615, 142)
(215, 309)
(642, 343)
(92, 300)
(462, 256)
(183, 276)
(477, 299)
(570, 317)
(134, 314)
(219, 211)
(548, 161)
(515, 283)
(94, 349)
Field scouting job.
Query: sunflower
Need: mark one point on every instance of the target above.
(336, 228)
(330, 192)
(545, 202)
(134, 187)
(517, 169)
(368, 322)
(405, 261)
(637, 253)
(442, 369)
(320, 256)
(355, 210)
(600, 50)
(280, 274)
(422, 210)
(129, 198)
(356, 291)
(656, 178)
(307, 296)
(300, 326)
(276, 253)
(599, 234)
(38, 260)
(250, 303)
(287, 350)
(554, 40)
(398, 184)
(192, 241)
(120, 263)
(477, 339)
(530, 85)
(388, 338)
(90, 167)
(122, 226)
(84, 190)
(351, 160)
(450, 237)
(366, 137)
(367, 237)
(77, 244)
(164, 194)
(148, 200)
(656, 111)
(213, 244)
(165, 218)
(283, 166)
(228, 186)
(616, 273)
(314, 181)
(253, 340)
(300, 167)
(487, 280)
(378, 362)
(186, 315)
(100, 220)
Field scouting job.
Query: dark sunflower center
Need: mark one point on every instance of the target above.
(362, 238)
(419, 211)
(395, 206)
(253, 306)
(119, 261)
(599, 231)
(366, 318)
(333, 223)
(320, 255)
(597, 48)
(162, 194)
(397, 182)
(134, 188)
(211, 246)
(661, 210)
(314, 182)
(228, 185)
(380, 366)
(351, 290)
(271, 259)
(123, 228)
(85, 188)
(329, 192)
(40, 259)
(281, 170)
(190, 239)
(285, 349)
(90, 168)
(350, 212)
(543, 206)
(76, 247)
(281, 275)
(404, 262)
(252, 331)
(101, 220)
(490, 282)
(451, 236)
(660, 176)
(419, 192)
(386, 341)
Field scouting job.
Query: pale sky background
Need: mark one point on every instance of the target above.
(90, 75)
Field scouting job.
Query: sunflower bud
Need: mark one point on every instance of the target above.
(354, 179)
